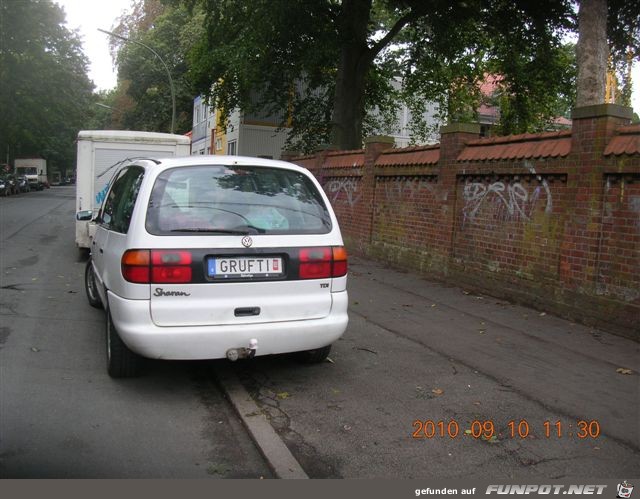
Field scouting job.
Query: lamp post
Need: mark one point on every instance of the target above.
(173, 93)
(104, 105)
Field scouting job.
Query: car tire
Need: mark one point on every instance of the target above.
(121, 362)
(315, 356)
(91, 287)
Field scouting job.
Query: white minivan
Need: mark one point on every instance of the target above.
(207, 257)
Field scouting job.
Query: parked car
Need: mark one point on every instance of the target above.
(5, 188)
(11, 184)
(213, 257)
(23, 184)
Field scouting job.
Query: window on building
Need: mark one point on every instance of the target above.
(218, 144)
(231, 148)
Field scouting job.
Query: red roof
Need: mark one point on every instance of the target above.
(423, 155)
(305, 161)
(626, 142)
(342, 159)
(527, 145)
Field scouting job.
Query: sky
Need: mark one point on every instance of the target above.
(89, 15)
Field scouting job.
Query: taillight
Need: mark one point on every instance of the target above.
(135, 266)
(322, 262)
(339, 261)
(157, 266)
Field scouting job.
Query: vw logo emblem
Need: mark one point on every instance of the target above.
(247, 241)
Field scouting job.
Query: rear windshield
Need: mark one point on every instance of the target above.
(235, 200)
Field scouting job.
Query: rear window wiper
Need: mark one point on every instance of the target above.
(250, 229)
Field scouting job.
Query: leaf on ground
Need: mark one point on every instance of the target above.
(283, 395)
(542, 314)
(624, 370)
(437, 391)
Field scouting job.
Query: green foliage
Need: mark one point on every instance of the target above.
(270, 56)
(538, 72)
(317, 62)
(623, 28)
(441, 50)
(45, 94)
(143, 96)
(453, 52)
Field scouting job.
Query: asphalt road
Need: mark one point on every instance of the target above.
(61, 416)
(429, 381)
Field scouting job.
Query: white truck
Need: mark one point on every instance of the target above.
(35, 171)
(101, 153)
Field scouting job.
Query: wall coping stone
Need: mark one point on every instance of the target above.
(379, 139)
(602, 110)
(461, 127)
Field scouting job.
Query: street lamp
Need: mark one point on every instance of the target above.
(104, 105)
(173, 93)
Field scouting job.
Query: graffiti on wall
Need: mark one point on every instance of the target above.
(511, 201)
(408, 188)
(348, 187)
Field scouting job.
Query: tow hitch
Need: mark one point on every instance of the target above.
(249, 352)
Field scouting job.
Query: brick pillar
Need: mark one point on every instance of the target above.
(593, 128)
(321, 158)
(453, 139)
(373, 147)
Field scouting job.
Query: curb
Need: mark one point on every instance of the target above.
(269, 443)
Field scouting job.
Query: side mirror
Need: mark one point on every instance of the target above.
(84, 215)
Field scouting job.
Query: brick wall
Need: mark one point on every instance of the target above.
(550, 220)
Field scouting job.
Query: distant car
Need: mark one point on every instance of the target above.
(5, 188)
(23, 184)
(213, 257)
(11, 184)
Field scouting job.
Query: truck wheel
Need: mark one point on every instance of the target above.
(91, 286)
(121, 362)
(315, 356)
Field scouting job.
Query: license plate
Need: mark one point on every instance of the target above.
(244, 267)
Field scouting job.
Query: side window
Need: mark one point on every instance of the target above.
(118, 207)
(109, 206)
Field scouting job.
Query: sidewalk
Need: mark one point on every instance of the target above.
(419, 351)
(562, 365)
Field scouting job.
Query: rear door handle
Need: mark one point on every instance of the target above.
(246, 311)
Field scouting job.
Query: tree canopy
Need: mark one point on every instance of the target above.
(331, 62)
(45, 95)
(142, 100)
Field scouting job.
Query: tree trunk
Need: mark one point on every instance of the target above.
(592, 52)
(355, 60)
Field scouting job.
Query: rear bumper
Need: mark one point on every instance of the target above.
(133, 322)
